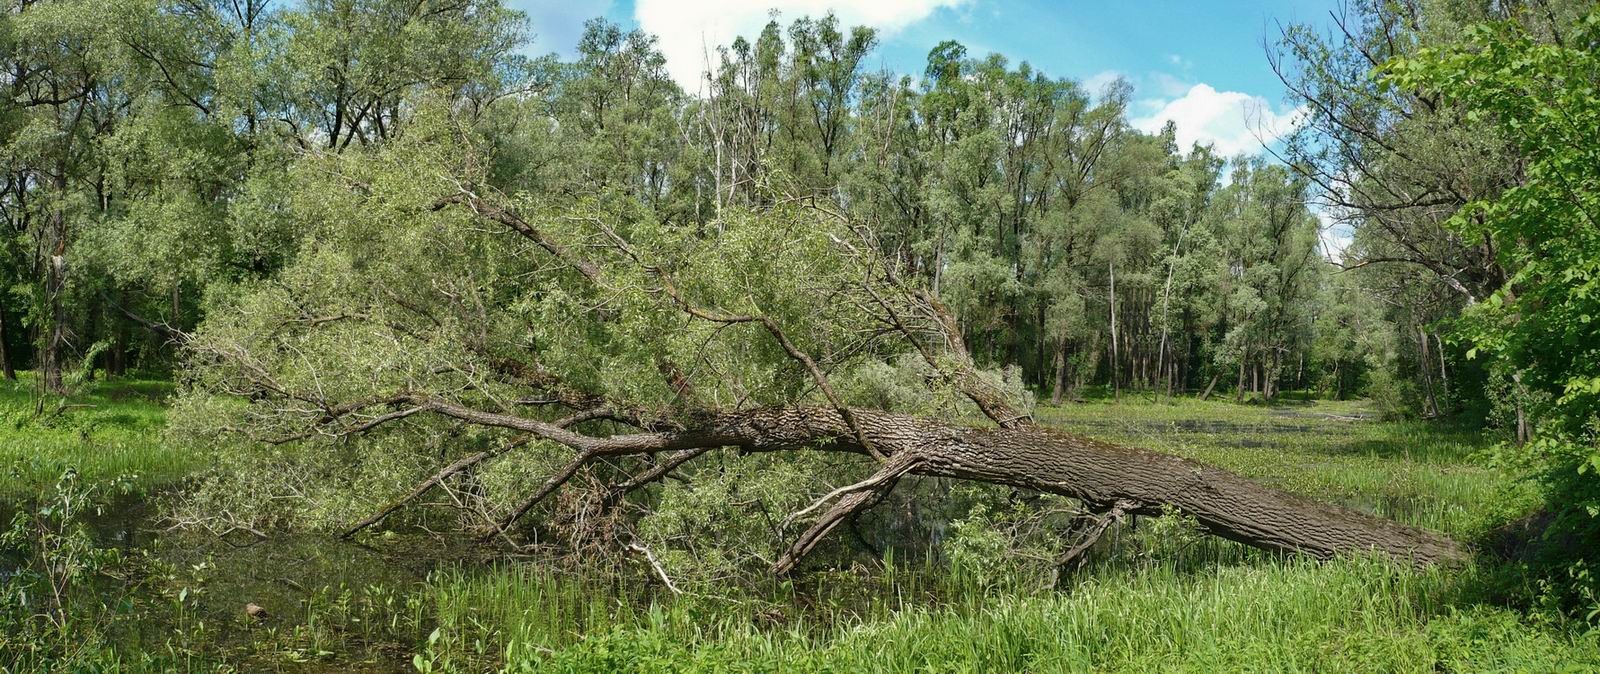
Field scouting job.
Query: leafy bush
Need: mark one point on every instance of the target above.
(41, 625)
(1543, 97)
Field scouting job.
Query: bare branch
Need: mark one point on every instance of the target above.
(854, 497)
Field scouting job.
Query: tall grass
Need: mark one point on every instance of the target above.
(1279, 616)
(106, 429)
(1150, 605)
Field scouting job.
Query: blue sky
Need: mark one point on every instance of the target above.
(1201, 64)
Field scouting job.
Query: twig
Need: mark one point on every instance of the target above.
(634, 546)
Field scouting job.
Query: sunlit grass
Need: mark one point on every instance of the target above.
(107, 429)
(1277, 615)
(1427, 474)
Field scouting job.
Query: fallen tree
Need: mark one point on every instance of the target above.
(1098, 473)
(616, 338)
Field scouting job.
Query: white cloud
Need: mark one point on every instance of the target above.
(690, 31)
(1334, 229)
(1167, 85)
(1097, 83)
(1233, 122)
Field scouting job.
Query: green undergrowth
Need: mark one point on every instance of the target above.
(1156, 597)
(1279, 615)
(104, 430)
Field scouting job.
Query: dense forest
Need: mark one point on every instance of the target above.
(153, 155)
(406, 279)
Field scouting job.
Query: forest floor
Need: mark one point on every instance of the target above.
(1162, 599)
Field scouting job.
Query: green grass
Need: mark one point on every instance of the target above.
(1274, 615)
(1175, 606)
(104, 430)
(1419, 472)
(1157, 600)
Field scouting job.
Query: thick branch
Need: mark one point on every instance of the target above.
(1044, 460)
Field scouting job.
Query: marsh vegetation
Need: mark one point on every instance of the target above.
(1155, 594)
(347, 335)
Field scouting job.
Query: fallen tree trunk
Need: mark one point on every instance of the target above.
(1030, 457)
(1226, 504)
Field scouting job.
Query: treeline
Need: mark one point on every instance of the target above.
(1461, 141)
(147, 147)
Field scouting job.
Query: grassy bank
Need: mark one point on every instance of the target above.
(1160, 598)
(107, 429)
(1164, 603)
(1283, 616)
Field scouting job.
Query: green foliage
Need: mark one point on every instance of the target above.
(51, 557)
(1394, 398)
(106, 430)
(287, 191)
(1542, 97)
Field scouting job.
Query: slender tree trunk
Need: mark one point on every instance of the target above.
(1116, 389)
(1427, 371)
(5, 353)
(1040, 373)
(55, 301)
(1171, 373)
(1270, 378)
(1243, 358)
(1444, 378)
(1061, 373)
(1524, 433)
(119, 346)
(90, 331)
